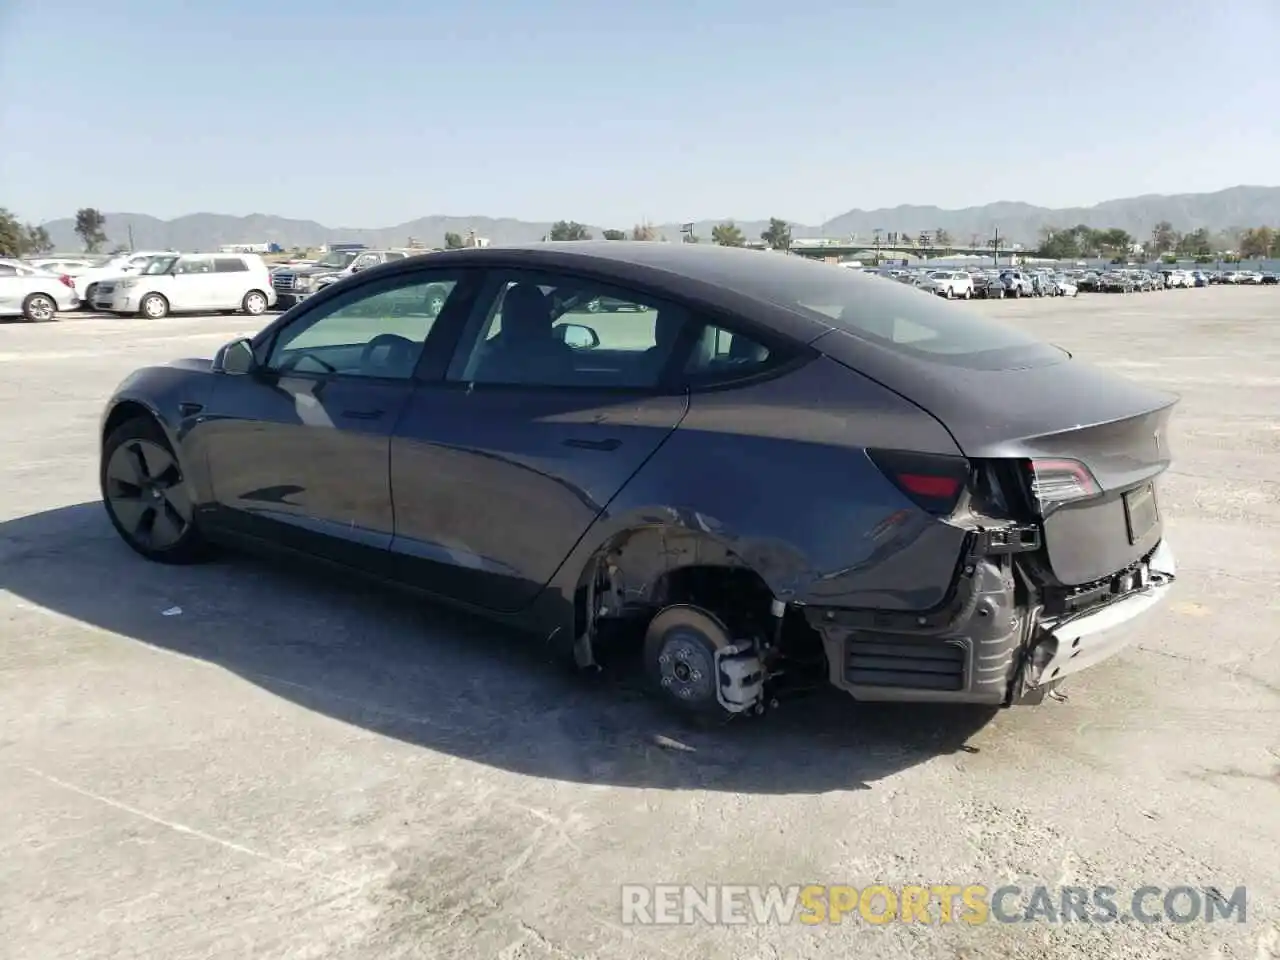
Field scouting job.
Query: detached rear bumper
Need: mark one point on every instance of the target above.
(982, 648)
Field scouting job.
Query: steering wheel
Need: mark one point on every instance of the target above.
(402, 354)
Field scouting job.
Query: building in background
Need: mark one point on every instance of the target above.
(251, 248)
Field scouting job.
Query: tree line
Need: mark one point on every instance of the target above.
(728, 234)
(1085, 242)
(18, 239)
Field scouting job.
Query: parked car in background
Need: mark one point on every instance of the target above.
(1270, 279)
(1062, 286)
(987, 285)
(71, 266)
(294, 284)
(1017, 284)
(1116, 282)
(36, 295)
(189, 283)
(951, 284)
(123, 265)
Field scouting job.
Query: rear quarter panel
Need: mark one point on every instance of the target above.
(776, 474)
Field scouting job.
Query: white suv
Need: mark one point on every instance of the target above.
(190, 283)
(949, 284)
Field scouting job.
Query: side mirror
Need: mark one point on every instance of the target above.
(578, 336)
(235, 359)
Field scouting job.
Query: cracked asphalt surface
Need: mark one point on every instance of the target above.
(298, 766)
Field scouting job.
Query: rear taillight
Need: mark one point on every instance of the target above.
(932, 482)
(68, 281)
(1055, 482)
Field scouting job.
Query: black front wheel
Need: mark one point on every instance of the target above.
(148, 499)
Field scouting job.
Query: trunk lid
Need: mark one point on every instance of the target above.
(1043, 405)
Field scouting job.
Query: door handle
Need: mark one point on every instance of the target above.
(610, 444)
(189, 408)
(362, 414)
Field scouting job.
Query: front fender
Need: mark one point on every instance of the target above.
(175, 396)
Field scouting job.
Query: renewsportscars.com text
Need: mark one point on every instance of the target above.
(672, 904)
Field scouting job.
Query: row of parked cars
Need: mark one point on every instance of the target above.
(151, 283)
(987, 284)
(1014, 282)
(155, 283)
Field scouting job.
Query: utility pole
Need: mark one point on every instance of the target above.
(131, 238)
(995, 247)
(876, 234)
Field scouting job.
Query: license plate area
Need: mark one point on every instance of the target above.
(1140, 511)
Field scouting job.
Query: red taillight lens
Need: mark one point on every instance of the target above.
(932, 482)
(1055, 482)
(68, 281)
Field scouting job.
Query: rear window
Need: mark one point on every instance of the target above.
(229, 265)
(901, 318)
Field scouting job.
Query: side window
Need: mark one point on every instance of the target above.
(719, 355)
(229, 265)
(193, 265)
(395, 256)
(556, 331)
(365, 261)
(7, 270)
(367, 333)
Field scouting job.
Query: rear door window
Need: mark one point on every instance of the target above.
(229, 265)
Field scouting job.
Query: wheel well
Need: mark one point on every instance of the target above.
(122, 413)
(629, 581)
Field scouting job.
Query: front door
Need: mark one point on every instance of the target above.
(297, 452)
(551, 404)
(193, 285)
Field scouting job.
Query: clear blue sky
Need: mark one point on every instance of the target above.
(375, 113)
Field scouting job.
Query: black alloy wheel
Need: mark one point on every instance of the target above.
(146, 495)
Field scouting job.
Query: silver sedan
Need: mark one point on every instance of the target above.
(35, 294)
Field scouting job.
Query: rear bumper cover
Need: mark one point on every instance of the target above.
(982, 648)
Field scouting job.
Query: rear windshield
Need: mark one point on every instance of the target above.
(902, 318)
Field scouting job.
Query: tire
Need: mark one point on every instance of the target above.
(146, 496)
(1017, 293)
(39, 308)
(951, 293)
(254, 303)
(679, 659)
(154, 306)
(968, 294)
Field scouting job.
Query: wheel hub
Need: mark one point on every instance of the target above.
(687, 669)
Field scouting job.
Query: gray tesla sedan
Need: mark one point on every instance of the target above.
(757, 471)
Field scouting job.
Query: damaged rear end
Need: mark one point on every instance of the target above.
(1057, 490)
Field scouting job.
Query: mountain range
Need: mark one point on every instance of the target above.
(1225, 210)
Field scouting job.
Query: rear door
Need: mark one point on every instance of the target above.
(1079, 448)
(231, 276)
(499, 468)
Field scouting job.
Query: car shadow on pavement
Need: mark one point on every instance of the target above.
(405, 668)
